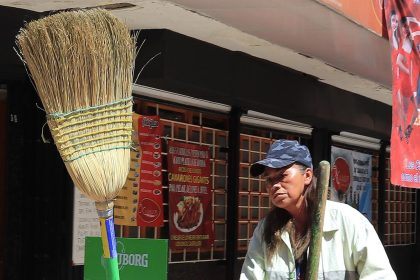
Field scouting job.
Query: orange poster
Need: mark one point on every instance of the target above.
(367, 13)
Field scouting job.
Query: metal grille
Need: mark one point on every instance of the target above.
(400, 214)
(199, 128)
(254, 202)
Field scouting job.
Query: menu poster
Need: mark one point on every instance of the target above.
(85, 223)
(140, 201)
(126, 203)
(150, 212)
(190, 207)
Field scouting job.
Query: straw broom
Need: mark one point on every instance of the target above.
(81, 63)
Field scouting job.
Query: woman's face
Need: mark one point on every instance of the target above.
(394, 22)
(287, 185)
(405, 30)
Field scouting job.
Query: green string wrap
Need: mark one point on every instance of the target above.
(86, 131)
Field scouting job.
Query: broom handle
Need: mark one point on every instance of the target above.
(318, 221)
(106, 218)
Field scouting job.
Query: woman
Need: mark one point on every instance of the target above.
(396, 65)
(351, 248)
(411, 27)
(406, 78)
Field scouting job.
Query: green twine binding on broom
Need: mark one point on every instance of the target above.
(98, 151)
(101, 117)
(57, 115)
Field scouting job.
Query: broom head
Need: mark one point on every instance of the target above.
(81, 63)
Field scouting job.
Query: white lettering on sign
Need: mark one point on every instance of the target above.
(133, 259)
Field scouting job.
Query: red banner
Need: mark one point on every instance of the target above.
(403, 30)
(190, 207)
(140, 201)
(150, 212)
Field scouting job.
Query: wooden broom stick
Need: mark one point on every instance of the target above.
(318, 220)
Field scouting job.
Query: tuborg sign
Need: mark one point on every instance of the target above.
(137, 258)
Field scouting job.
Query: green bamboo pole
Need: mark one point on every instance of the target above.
(318, 220)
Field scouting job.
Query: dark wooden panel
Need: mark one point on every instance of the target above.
(39, 195)
(3, 137)
(11, 20)
(201, 270)
(403, 261)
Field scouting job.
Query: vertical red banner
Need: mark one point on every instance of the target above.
(404, 37)
(150, 209)
(190, 203)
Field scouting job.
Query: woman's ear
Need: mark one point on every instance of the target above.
(308, 176)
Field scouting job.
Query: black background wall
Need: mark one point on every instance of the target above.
(11, 20)
(38, 196)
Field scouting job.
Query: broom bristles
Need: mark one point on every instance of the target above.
(81, 63)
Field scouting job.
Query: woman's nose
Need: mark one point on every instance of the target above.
(274, 188)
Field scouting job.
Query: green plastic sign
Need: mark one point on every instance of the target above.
(138, 258)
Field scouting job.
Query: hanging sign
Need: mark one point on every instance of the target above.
(140, 201)
(403, 23)
(138, 258)
(150, 212)
(351, 179)
(190, 207)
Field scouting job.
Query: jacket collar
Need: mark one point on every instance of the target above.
(330, 219)
(330, 223)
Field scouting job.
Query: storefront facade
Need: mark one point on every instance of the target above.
(229, 101)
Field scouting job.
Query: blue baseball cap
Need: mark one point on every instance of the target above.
(283, 153)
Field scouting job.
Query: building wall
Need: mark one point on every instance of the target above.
(38, 190)
(205, 71)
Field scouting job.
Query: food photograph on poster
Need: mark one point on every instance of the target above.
(190, 201)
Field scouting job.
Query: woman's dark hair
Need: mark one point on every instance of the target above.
(393, 13)
(396, 32)
(277, 218)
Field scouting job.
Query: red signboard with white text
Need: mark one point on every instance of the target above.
(139, 203)
(150, 212)
(190, 207)
(403, 23)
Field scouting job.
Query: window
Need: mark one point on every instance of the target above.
(400, 214)
(254, 202)
(200, 128)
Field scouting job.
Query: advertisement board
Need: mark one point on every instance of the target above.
(190, 207)
(138, 258)
(140, 202)
(351, 177)
(403, 22)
